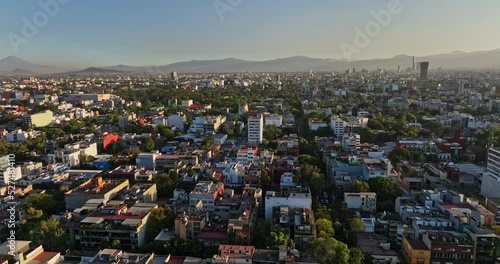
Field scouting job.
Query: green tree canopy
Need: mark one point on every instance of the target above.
(356, 225)
(40, 201)
(276, 239)
(166, 184)
(356, 256)
(399, 154)
(329, 251)
(159, 219)
(324, 228)
(359, 186)
(147, 144)
(50, 234)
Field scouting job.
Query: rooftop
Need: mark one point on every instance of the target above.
(96, 186)
(236, 251)
(370, 243)
(417, 244)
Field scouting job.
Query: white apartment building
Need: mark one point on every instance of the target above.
(366, 201)
(207, 124)
(246, 155)
(71, 153)
(490, 186)
(294, 198)
(177, 120)
(147, 160)
(206, 192)
(255, 128)
(273, 120)
(18, 135)
(350, 141)
(315, 124)
(234, 174)
(337, 125)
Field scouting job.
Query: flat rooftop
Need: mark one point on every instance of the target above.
(370, 243)
(417, 244)
(92, 186)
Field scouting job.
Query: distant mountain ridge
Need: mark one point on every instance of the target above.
(15, 64)
(453, 60)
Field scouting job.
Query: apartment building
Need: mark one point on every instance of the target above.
(95, 188)
(255, 128)
(115, 222)
(207, 192)
(292, 198)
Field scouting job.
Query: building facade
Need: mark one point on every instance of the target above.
(255, 129)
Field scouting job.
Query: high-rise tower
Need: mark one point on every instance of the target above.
(424, 67)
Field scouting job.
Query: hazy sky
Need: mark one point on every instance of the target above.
(99, 33)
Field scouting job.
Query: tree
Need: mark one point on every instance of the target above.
(50, 234)
(116, 244)
(33, 214)
(159, 219)
(356, 225)
(385, 188)
(306, 147)
(324, 228)
(276, 239)
(114, 147)
(356, 256)
(317, 182)
(496, 229)
(207, 143)
(147, 144)
(260, 233)
(359, 186)
(329, 251)
(307, 159)
(272, 132)
(311, 175)
(398, 154)
(165, 132)
(166, 184)
(321, 211)
(435, 127)
(40, 201)
(265, 181)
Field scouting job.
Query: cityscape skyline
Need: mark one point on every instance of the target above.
(159, 33)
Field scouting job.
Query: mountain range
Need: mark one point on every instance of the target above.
(455, 60)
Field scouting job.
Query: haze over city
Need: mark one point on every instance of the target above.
(96, 33)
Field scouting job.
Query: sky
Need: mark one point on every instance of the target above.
(157, 32)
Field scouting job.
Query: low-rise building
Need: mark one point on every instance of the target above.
(207, 192)
(147, 160)
(189, 224)
(365, 201)
(377, 247)
(115, 222)
(24, 253)
(273, 120)
(415, 251)
(292, 198)
(96, 188)
(234, 254)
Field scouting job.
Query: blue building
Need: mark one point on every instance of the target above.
(102, 164)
